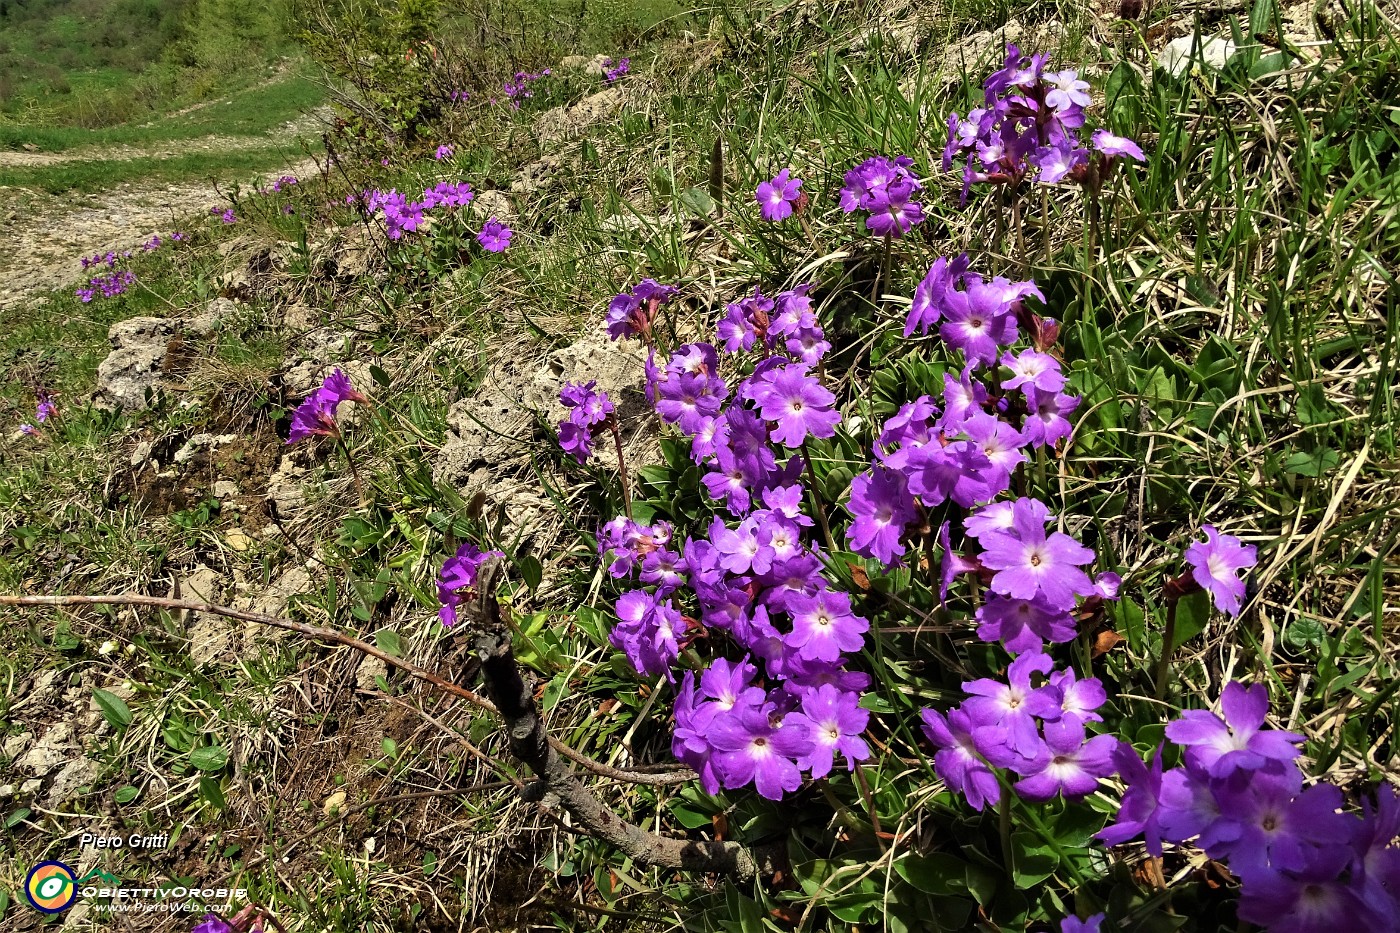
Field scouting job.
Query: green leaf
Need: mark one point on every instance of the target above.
(1318, 463)
(126, 794)
(17, 817)
(211, 791)
(209, 757)
(379, 375)
(1032, 860)
(390, 748)
(1305, 632)
(938, 873)
(430, 864)
(698, 201)
(114, 708)
(1192, 614)
(530, 570)
(387, 641)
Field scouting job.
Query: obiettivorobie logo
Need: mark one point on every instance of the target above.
(53, 887)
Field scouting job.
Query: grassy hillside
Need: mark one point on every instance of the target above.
(100, 63)
(1211, 334)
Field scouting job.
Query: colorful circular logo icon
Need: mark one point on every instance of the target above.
(51, 887)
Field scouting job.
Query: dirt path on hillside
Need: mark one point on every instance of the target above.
(45, 236)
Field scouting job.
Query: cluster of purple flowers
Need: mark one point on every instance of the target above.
(44, 408)
(226, 215)
(109, 260)
(108, 286)
(780, 197)
(1029, 128)
(460, 97)
(518, 88)
(155, 242)
(789, 705)
(457, 579)
(404, 216)
(884, 188)
(1033, 725)
(967, 448)
(611, 71)
(589, 411)
(444, 151)
(283, 181)
(1304, 864)
(631, 313)
(316, 413)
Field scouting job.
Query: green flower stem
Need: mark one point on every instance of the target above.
(1168, 636)
(354, 469)
(817, 501)
(622, 469)
(1004, 824)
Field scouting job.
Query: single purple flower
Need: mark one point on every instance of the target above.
(775, 198)
(443, 152)
(798, 404)
(751, 748)
(458, 576)
(958, 761)
(1075, 925)
(824, 628)
(1138, 813)
(1030, 563)
(1111, 145)
(1074, 765)
(1237, 742)
(1215, 565)
(494, 236)
(882, 507)
(837, 722)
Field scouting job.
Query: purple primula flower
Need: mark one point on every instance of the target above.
(1007, 712)
(1138, 812)
(1066, 90)
(1215, 565)
(212, 923)
(1022, 624)
(1074, 765)
(775, 198)
(837, 722)
(1313, 899)
(443, 152)
(494, 236)
(648, 632)
(317, 413)
(951, 564)
(1079, 698)
(1075, 925)
(1030, 563)
(1001, 444)
(1187, 804)
(750, 747)
(882, 507)
(884, 188)
(1033, 368)
(1046, 424)
(589, 410)
(1000, 517)
(458, 577)
(611, 72)
(1111, 145)
(1270, 824)
(1239, 741)
(958, 761)
(931, 294)
(798, 405)
(978, 321)
(956, 470)
(632, 312)
(824, 628)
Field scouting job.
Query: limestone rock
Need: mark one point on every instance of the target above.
(285, 490)
(77, 773)
(1211, 52)
(208, 320)
(567, 122)
(54, 747)
(489, 204)
(134, 365)
(210, 636)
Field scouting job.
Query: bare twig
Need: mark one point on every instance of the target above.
(516, 703)
(673, 776)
